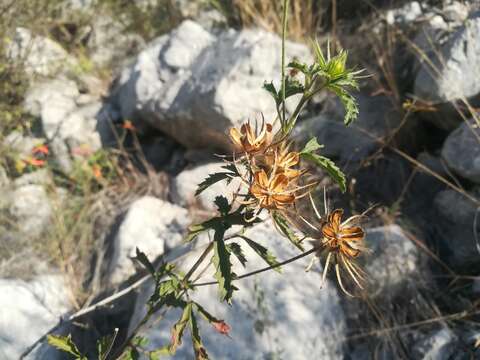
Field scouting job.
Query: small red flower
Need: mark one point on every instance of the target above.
(128, 125)
(40, 149)
(34, 162)
(97, 171)
(222, 327)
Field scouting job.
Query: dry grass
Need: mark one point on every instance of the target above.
(304, 20)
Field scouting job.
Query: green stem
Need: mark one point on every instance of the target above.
(284, 34)
(307, 95)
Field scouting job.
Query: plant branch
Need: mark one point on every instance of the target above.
(284, 34)
(267, 268)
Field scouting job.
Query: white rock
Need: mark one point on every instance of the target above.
(22, 145)
(271, 314)
(66, 124)
(31, 208)
(152, 225)
(394, 261)
(4, 180)
(40, 55)
(195, 86)
(110, 43)
(439, 344)
(186, 183)
(455, 75)
(38, 177)
(29, 309)
(405, 14)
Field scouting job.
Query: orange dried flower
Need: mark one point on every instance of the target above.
(128, 125)
(34, 161)
(249, 141)
(40, 149)
(344, 242)
(272, 192)
(281, 161)
(97, 171)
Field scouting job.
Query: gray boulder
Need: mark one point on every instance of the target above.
(152, 225)
(271, 314)
(455, 228)
(376, 121)
(394, 261)
(461, 151)
(29, 309)
(194, 86)
(438, 345)
(454, 76)
(39, 55)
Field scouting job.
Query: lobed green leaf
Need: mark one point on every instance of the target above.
(263, 252)
(65, 344)
(284, 227)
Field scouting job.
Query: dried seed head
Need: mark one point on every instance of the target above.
(249, 140)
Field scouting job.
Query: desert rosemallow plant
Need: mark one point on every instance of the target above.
(272, 178)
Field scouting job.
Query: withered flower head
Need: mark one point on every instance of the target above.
(272, 192)
(343, 242)
(281, 160)
(250, 140)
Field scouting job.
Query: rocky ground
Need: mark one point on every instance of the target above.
(107, 129)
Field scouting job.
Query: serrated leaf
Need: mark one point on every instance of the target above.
(294, 64)
(311, 146)
(349, 103)
(223, 267)
(330, 167)
(292, 87)
(271, 89)
(131, 353)
(198, 348)
(222, 205)
(284, 227)
(216, 177)
(141, 341)
(263, 252)
(179, 328)
(209, 317)
(158, 353)
(65, 344)
(236, 250)
(143, 259)
(105, 344)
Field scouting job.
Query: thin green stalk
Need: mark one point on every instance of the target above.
(284, 34)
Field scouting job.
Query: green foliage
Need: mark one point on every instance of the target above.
(179, 328)
(284, 227)
(105, 345)
(143, 259)
(216, 177)
(224, 221)
(65, 344)
(198, 348)
(236, 250)
(328, 165)
(223, 267)
(292, 87)
(263, 252)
